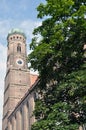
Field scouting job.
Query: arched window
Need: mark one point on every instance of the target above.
(19, 48)
(36, 96)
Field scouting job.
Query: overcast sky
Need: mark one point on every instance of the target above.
(20, 14)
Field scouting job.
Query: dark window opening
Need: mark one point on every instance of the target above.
(19, 48)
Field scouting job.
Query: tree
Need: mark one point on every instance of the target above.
(59, 58)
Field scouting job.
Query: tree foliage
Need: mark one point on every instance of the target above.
(60, 59)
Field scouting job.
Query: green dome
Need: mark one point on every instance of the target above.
(16, 31)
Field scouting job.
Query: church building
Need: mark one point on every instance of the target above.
(19, 83)
(19, 86)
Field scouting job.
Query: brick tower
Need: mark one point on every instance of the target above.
(17, 79)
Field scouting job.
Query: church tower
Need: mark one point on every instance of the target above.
(17, 79)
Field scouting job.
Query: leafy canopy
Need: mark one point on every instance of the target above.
(59, 57)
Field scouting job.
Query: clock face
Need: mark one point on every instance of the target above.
(19, 62)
